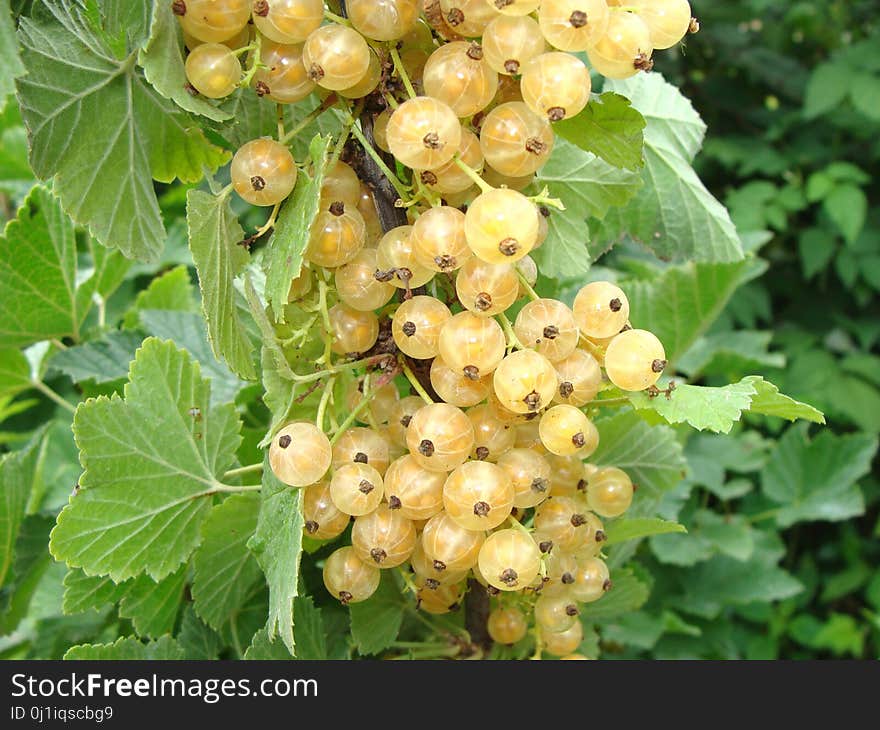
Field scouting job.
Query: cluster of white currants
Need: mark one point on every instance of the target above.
(478, 469)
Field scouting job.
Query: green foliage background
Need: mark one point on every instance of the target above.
(781, 555)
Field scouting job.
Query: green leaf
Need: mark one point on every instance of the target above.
(680, 304)
(128, 648)
(39, 296)
(16, 481)
(102, 360)
(187, 330)
(10, 60)
(277, 545)
(826, 89)
(311, 642)
(31, 561)
(587, 186)
(214, 235)
(631, 529)
(15, 372)
(172, 291)
(709, 534)
(284, 254)
(162, 61)
(730, 352)
(100, 132)
(723, 581)
(863, 92)
(841, 634)
(816, 480)
(224, 569)
(717, 409)
(197, 640)
(376, 623)
(609, 128)
(152, 606)
(262, 648)
(151, 463)
(847, 206)
(628, 593)
(83, 592)
(651, 455)
(674, 214)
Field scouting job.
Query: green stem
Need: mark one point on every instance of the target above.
(543, 198)
(325, 399)
(513, 342)
(356, 411)
(240, 471)
(325, 316)
(231, 489)
(52, 395)
(401, 70)
(339, 368)
(533, 295)
(255, 63)
(401, 189)
(309, 118)
(472, 174)
(611, 402)
(344, 135)
(414, 382)
(338, 19)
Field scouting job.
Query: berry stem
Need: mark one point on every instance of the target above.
(611, 402)
(326, 396)
(472, 174)
(533, 295)
(309, 118)
(230, 489)
(340, 367)
(513, 342)
(517, 525)
(543, 198)
(355, 412)
(255, 63)
(399, 187)
(400, 69)
(414, 382)
(52, 395)
(325, 316)
(269, 224)
(338, 19)
(344, 135)
(249, 469)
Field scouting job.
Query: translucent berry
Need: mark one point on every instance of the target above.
(383, 20)
(509, 42)
(609, 492)
(438, 239)
(449, 546)
(263, 172)
(284, 79)
(213, 21)
(440, 437)
(580, 378)
(396, 260)
(507, 625)
(455, 388)
(565, 431)
(601, 309)
(336, 57)
(336, 236)
(556, 85)
(288, 21)
(457, 75)
(384, 537)
(492, 436)
(472, 345)
(417, 324)
(357, 285)
(322, 520)
(573, 25)
(353, 331)
(509, 560)
(525, 382)
(423, 133)
(348, 578)
(356, 489)
(624, 49)
(548, 326)
(300, 454)
(213, 70)
(514, 140)
(634, 360)
(486, 289)
(413, 490)
(501, 226)
(529, 473)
